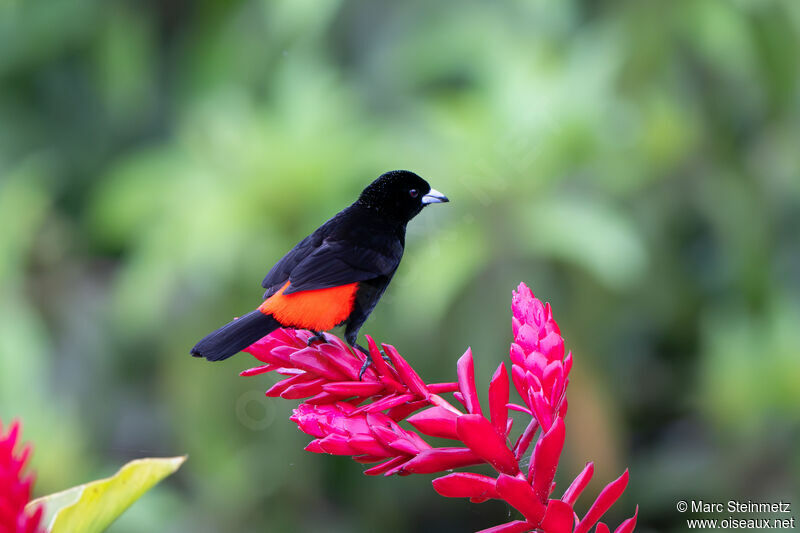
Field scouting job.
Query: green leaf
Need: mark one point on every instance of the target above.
(92, 507)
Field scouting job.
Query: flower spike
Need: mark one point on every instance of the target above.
(15, 486)
(362, 418)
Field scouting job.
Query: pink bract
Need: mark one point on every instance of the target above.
(15, 487)
(361, 418)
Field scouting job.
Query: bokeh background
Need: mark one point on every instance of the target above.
(636, 163)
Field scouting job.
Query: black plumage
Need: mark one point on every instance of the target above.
(362, 245)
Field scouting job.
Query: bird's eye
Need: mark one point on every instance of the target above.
(413, 193)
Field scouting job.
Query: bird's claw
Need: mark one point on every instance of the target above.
(316, 337)
(364, 367)
(368, 360)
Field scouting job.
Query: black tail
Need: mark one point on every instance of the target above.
(235, 336)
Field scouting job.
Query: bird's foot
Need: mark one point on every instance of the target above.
(364, 367)
(368, 360)
(316, 337)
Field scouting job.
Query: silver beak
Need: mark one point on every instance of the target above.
(434, 197)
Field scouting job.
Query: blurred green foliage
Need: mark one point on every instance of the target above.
(636, 163)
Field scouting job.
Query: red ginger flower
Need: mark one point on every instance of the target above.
(348, 416)
(15, 490)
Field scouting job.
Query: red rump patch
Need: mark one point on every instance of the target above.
(321, 309)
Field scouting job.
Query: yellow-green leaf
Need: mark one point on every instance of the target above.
(92, 507)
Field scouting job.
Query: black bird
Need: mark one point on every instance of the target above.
(336, 275)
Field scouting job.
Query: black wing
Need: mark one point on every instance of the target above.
(279, 274)
(329, 257)
(336, 263)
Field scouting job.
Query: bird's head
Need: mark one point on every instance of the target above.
(400, 194)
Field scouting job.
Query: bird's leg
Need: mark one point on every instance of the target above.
(368, 360)
(316, 337)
